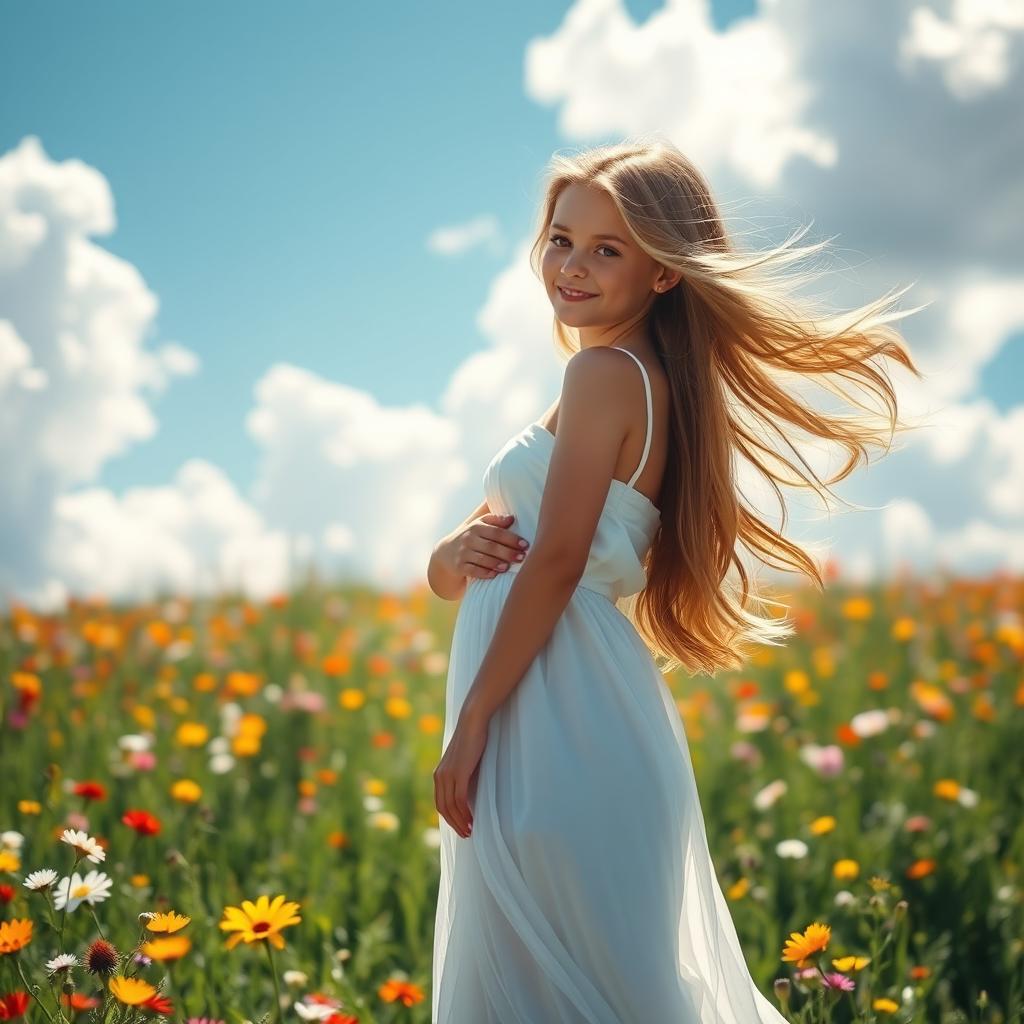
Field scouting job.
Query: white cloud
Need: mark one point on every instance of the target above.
(737, 97)
(460, 238)
(973, 46)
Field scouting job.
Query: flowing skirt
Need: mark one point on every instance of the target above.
(586, 893)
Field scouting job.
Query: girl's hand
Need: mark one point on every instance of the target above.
(484, 547)
(456, 774)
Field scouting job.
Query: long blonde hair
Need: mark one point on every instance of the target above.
(723, 335)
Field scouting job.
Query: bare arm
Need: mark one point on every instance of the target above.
(592, 425)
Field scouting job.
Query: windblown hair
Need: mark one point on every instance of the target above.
(725, 334)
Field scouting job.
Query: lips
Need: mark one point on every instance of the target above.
(574, 293)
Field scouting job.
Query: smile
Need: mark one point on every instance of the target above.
(573, 295)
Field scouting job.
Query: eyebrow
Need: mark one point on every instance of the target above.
(562, 227)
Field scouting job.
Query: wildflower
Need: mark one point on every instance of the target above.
(15, 935)
(14, 1004)
(131, 991)
(40, 880)
(840, 982)
(142, 821)
(259, 921)
(171, 947)
(167, 922)
(851, 963)
(62, 962)
(799, 946)
(885, 1005)
(84, 844)
(870, 723)
(767, 795)
(90, 790)
(795, 849)
(93, 888)
(846, 869)
(823, 825)
(101, 957)
(395, 989)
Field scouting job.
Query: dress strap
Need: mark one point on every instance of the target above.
(650, 416)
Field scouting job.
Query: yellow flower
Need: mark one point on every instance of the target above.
(243, 684)
(132, 991)
(903, 629)
(948, 789)
(9, 861)
(259, 921)
(375, 787)
(30, 807)
(738, 889)
(846, 869)
(192, 734)
(351, 699)
(185, 791)
(885, 1005)
(857, 609)
(796, 681)
(851, 963)
(800, 946)
(167, 921)
(139, 881)
(820, 826)
(173, 947)
(397, 707)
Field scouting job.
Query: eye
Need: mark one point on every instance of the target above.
(564, 239)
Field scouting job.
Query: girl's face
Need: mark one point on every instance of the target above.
(581, 254)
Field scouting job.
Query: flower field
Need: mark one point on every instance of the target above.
(223, 811)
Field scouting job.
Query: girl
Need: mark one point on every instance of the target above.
(577, 886)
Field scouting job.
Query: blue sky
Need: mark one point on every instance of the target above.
(277, 170)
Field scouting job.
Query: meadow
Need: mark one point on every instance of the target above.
(223, 810)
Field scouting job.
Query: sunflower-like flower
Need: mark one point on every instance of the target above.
(167, 921)
(259, 921)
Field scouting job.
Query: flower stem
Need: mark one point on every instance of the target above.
(277, 988)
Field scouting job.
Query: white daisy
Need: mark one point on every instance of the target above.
(62, 962)
(85, 844)
(42, 879)
(94, 888)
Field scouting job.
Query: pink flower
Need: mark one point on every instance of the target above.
(838, 981)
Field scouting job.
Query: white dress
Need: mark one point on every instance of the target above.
(586, 893)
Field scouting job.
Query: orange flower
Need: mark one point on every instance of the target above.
(800, 946)
(15, 934)
(921, 868)
(394, 989)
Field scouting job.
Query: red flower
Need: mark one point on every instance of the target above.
(90, 789)
(6, 893)
(142, 821)
(14, 1004)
